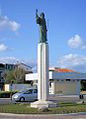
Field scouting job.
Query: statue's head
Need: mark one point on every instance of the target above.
(42, 15)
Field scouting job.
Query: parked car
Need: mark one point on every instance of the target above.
(30, 94)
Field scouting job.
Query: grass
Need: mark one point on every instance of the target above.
(69, 109)
(17, 109)
(62, 108)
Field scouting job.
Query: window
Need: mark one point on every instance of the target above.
(50, 84)
(35, 91)
(67, 79)
(73, 80)
(29, 91)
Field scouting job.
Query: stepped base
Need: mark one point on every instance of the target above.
(42, 104)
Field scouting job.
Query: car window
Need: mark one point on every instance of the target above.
(35, 91)
(29, 91)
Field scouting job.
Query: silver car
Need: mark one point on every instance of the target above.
(30, 94)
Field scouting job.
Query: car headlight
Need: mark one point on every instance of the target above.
(16, 96)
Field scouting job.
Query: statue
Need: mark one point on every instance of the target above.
(43, 29)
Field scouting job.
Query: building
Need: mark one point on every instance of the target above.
(61, 81)
(8, 67)
(3, 69)
(25, 67)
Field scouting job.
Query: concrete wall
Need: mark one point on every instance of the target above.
(57, 87)
(12, 87)
(67, 87)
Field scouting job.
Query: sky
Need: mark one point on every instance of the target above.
(66, 24)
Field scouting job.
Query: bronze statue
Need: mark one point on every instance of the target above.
(43, 29)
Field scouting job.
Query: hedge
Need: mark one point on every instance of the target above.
(7, 94)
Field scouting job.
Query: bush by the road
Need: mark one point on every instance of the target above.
(6, 94)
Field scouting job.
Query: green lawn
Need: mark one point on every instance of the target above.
(26, 109)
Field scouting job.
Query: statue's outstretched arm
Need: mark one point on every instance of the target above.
(38, 20)
(37, 13)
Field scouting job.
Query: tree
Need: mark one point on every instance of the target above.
(83, 85)
(8, 76)
(16, 75)
(19, 75)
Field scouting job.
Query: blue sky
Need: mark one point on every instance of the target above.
(66, 24)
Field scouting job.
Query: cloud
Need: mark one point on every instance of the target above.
(73, 61)
(5, 23)
(9, 60)
(3, 47)
(76, 42)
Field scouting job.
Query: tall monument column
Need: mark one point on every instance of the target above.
(43, 74)
(43, 66)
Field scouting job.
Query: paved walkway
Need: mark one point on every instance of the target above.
(57, 116)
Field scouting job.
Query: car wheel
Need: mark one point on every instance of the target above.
(22, 99)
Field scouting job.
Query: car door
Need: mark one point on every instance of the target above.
(28, 95)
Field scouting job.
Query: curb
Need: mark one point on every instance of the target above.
(46, 115)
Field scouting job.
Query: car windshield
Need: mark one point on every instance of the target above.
(22, 91)
(27, 90)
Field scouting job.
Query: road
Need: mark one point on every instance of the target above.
(5, 100)
(55, 98)
(57, 116)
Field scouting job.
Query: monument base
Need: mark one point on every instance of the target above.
(42, 104)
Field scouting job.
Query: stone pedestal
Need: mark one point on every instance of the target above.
(43, 104)
(43, 77)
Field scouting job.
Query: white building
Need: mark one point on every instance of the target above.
(61, 82)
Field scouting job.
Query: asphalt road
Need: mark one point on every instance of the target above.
(8, 101)
(55, 98)
(66, 98)
(5, 100)
(57, 116)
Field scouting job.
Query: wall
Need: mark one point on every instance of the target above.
(67, 87)
(12, 87)
(57, 87)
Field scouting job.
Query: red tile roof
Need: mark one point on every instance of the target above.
(61, 69)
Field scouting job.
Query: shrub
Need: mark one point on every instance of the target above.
(6, 94)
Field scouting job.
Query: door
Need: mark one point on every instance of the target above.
(29, 95)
